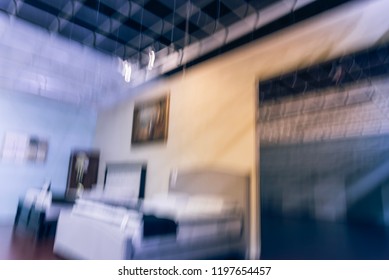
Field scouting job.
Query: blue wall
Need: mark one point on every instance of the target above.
(65, 126)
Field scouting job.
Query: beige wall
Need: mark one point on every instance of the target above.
(213, 105)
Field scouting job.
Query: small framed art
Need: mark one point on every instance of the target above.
(151, 121)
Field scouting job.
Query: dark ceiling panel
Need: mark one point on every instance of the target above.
(200, 34)
(203, 3)
(58, 4)
(175, 4)
(174, 18)
(260, 4)
(145, 18)
(75, 32)
(7, 6)
(99, 7)
(216, 9)
(44, 6)
(158, 8)
(235, 4)
(91, 17)
(108, 45)
(129, 22)
(229, 19)
(125, 33)
(114, 4)
(176, 34)
(188, 26)
(36, 16)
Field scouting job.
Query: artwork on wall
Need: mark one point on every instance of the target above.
(150, 121)
(22, 147)
(83, 171)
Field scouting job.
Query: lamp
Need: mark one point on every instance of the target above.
(151, 60)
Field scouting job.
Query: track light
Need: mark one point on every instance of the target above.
(126, 70)
(151, 60)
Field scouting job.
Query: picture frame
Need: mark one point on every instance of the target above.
(151, 121)
(22, 147)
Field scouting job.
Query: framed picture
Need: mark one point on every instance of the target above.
(151, 120)
(22, 147)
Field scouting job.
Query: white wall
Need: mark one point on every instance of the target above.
(64, 126)
(213, 105)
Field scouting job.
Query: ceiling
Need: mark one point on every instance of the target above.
(131, 29)
(178, 33)
(127, 28)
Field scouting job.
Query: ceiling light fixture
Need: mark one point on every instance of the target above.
(151, 60)
(126, 70)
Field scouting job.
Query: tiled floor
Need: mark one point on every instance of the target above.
(21, 246)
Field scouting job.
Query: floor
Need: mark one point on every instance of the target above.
(281, 239)
(293, 239)
(21, 246)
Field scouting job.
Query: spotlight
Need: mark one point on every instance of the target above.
(151, 60)
(126, 70)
